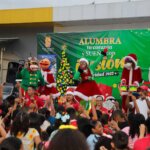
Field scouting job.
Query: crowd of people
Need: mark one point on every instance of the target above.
(48, 121)
(32, 123)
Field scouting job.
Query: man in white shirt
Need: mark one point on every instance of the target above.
(142, 104)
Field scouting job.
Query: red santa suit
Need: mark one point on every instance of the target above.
(50, 87)
(87, 88)
(131, 76)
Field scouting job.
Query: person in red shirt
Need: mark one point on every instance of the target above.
(143, 143)
(32, 98)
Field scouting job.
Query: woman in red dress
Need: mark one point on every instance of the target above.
(87, 88)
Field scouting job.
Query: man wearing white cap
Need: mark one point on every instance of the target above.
(87, 87)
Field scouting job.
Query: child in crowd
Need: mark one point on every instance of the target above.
(68, 139)
(97, 131)
(11, 143)
(70, 126)
(119, 141)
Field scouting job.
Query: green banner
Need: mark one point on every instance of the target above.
(90, 44)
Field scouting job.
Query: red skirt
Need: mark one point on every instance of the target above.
(86, 90)
(50, 90)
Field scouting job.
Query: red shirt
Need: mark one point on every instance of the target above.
(39, 101)
(142, 144)
(107, 130)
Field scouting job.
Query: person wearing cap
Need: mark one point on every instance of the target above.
(141, 104)
(131, 75)
(87, 88)
(114, 101)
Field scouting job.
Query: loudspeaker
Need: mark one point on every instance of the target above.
(12, 72)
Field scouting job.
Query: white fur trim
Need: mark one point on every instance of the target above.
(124, 93)
(85, 60)
(137, 83)
(69, 92)
(18, 80)
(84, 97)
(56, 95)
(51, 85)
(131, 59)
(149, 74)
(50, 72)
(44, 74)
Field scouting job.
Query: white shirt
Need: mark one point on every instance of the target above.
(143, 107)
(92, 139)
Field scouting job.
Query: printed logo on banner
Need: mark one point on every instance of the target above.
(48, 41)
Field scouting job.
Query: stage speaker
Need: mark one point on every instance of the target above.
(12, 72)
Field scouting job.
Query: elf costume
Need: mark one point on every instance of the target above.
(50, 87)
(131, 75)
(87, 88)
(30, 76)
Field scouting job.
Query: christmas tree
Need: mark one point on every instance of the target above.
(64, 76)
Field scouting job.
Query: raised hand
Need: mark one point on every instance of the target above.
(104, 52)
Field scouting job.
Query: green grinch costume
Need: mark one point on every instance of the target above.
(31, 78)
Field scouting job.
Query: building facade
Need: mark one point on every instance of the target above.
(20, 21)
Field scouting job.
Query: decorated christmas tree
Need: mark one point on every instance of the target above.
(64, 76)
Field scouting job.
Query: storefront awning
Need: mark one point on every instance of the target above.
(9, 40)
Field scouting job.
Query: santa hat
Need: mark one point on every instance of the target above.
(147, 84)
(100, 96)
(70, 91)
(85, 60)
(133, 57)
(144, 87)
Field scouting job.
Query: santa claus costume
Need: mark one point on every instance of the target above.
(87, 88)
(50, 87)
(131, 75)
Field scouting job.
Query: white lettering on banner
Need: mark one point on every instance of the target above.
(104, 74)
(96, 53)
(98, 47)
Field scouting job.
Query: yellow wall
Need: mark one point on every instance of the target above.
(32, 15)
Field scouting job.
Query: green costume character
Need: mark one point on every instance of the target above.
(30, 76)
